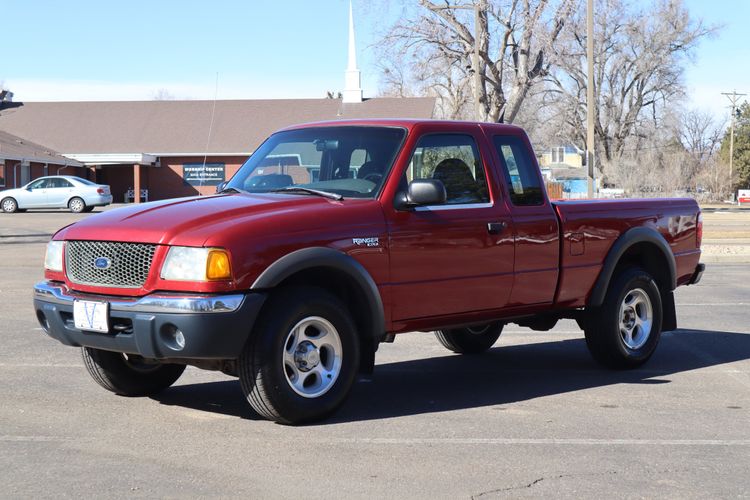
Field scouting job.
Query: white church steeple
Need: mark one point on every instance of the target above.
(353, 80)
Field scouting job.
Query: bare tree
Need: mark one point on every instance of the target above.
(432, 45)
(639, 62)
(163, 95)
(701, 134)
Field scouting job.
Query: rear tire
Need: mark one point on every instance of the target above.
(129, 375)
(624, 331)
(472, 340)
(9, 205)
(302, 357)
(76, 205)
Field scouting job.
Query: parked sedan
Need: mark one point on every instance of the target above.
(59, 191)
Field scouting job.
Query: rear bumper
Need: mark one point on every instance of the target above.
(99, 201)
(697, 274)
(213, 326)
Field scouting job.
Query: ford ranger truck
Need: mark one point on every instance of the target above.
(334, 237)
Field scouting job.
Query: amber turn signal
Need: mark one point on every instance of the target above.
(217, 266)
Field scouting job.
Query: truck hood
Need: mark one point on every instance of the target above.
(198, 221)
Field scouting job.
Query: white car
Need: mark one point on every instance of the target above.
(59, 191)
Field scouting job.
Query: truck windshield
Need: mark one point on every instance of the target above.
(351, 161)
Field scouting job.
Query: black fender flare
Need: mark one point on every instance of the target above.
(626, 240)
(308, 258)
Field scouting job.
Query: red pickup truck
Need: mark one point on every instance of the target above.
(333, 237)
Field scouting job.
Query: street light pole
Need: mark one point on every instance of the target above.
(477, 7)
(590, 107)
(475, 64)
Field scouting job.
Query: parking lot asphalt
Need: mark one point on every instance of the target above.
(534, 417)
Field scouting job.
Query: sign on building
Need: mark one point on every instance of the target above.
(743, 196)
(197, 174)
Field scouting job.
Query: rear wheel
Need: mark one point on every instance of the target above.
(625, 330)
(301, 360)
(470, 340)
(9, 205)
(76, 205)
(129, 375)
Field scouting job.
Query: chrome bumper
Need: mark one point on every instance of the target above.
(59, 293)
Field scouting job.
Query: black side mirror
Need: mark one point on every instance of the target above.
(221, 187)
(422, 192)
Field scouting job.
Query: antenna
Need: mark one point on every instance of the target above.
(208, 139)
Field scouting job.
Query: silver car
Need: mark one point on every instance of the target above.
(59, 191)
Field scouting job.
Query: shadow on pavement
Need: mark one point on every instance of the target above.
(501, 376)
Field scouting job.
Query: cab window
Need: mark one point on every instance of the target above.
(454, 160)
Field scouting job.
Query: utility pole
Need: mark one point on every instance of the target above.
(733, 98)
(477, 6)
(590, 105)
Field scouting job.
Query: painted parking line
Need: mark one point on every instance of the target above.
(542, 441)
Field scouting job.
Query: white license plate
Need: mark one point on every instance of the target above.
(91, 316)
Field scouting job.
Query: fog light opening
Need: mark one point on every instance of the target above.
(173, 337)
(43, 322)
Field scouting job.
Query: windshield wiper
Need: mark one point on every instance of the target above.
(232, 188)
(304, 190)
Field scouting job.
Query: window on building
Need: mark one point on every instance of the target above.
(520, 173)
(558, 155)
(2, 174)
(453, 159)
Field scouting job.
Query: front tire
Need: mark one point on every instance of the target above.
(302, 358)
(471, 340)
(9, 205)
(129, 375)
(76, 205)
(624, 331)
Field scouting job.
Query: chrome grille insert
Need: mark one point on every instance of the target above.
(127, 264)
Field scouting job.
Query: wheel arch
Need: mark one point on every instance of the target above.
(341, 275)
(644, 247)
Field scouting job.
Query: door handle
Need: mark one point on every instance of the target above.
(496, 227)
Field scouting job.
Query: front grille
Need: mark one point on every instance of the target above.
(121, 265)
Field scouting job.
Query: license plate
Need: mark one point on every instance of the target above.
(91, 316)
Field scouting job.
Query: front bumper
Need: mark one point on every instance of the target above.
(213, 326)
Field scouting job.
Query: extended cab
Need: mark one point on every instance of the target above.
(293, 274)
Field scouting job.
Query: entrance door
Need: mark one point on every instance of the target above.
(25, 175)
(456, 257)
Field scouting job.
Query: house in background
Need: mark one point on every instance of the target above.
(564, 166)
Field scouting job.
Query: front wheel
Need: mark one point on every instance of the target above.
(470, 340)
(624, 331)
(302, 358)
(129, 375)
(76, 205)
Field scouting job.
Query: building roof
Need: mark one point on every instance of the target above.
(15, 148)
(182, 128)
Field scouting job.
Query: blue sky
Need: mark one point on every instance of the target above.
(78, 50)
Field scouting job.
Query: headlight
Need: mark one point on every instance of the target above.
(53, 259)
(196, 264)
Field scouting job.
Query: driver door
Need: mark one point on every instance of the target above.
(456, 257)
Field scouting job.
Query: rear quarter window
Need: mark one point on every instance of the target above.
(520, 173)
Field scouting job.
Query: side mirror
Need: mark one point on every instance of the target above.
(221, 187)
(422, 192)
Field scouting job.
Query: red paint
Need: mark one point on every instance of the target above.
(433, 268)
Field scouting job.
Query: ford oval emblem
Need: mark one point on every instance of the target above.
(102, 263)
